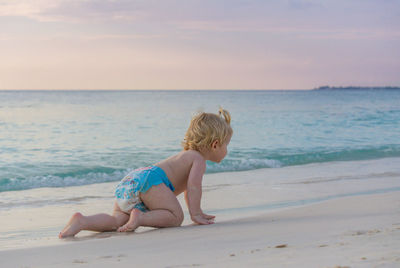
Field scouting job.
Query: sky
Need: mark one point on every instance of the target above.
(198, 44)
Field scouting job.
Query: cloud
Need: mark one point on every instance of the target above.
(25, 8)
(121, 36)
(299, 18)
(118, 10)
(314, 32)
(73, 10)
(144, 10)
(302, 4)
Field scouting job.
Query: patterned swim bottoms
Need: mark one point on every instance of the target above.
(136, 182)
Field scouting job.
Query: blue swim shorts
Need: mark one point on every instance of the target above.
(136, 182)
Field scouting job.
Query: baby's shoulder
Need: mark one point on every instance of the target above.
(192, 156)
(195, 161)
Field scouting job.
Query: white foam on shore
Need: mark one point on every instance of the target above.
(34, 217)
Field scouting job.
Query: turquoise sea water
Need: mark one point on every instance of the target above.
(66, 138)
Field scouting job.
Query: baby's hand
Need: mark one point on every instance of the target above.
(208, 217)
(201, 219)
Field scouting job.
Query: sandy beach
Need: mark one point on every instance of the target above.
(360, 231)
(292, 106)
(339, 214)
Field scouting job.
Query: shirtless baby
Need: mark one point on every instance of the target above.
(147, 196)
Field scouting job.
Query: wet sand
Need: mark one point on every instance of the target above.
(357, 231)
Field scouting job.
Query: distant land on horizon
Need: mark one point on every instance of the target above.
(356, 88)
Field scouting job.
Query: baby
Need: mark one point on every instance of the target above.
(147, 196)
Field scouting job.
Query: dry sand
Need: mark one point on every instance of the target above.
(357, 231)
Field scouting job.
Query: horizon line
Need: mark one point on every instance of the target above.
(152, 89)
(189, 89)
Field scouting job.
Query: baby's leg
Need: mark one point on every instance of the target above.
(99, 222)
(165, 210)
(133, 221)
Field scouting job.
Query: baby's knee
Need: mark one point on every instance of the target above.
(178, 218)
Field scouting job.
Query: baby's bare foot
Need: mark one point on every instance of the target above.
(132, 223)
(73, 227)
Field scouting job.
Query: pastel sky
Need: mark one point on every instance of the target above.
(198, 44)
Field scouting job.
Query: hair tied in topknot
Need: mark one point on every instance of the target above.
(225, 114)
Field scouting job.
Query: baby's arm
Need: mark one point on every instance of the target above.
(194, 191)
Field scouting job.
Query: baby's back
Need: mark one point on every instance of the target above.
(177, 168)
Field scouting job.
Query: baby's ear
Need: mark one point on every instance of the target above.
(215, 144)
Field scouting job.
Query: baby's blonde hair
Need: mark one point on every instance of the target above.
(205, 128)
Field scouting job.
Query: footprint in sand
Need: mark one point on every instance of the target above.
(79, 261)
(375, 231)
(369, 232)
(105, 257)
(118, 258)
(184, 265)
(359, 233)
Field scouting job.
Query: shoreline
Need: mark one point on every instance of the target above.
(33, 218)
(337, 232)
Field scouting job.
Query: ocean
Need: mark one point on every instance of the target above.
(64, 151)
(69, 138)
